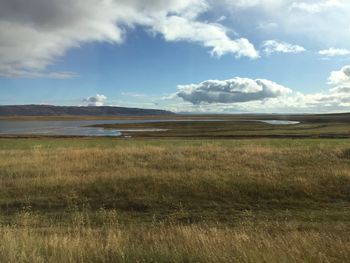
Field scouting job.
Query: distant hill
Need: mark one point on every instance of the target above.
(48, 110)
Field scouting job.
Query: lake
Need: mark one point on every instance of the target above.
(279, 122)
(79, 128)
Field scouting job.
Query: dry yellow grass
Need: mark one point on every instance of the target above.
(170, 244)
(176, 202)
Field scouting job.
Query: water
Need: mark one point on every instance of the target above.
(65, 128)
(72, 128)
(279, 122)
(79, 128)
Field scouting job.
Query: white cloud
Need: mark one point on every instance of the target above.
(231, 91)
(341, 90)
(340, 77)
(273, 46)
(221, 18)
(34, 34)
(133, 94)
(315, 22)
(316, 7)
(267, 26)
(336, 99)
(214, 36)
(10, 72)
(339, 95)
(332, 52)
(253, 3)
(97, 100)
(247, 95)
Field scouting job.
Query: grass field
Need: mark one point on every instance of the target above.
(174, 200)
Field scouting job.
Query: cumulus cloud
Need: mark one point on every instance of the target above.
(248, 95)
(231, 91)
(337, 98)
(97, 100)
(340, 93)
(34, 34)
(340, 77)
(273, 46)
(332, 52)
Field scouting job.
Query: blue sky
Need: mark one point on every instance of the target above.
(186, 55)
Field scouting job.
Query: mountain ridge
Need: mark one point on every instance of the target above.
(51, 110)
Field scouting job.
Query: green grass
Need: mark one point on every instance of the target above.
(174, 200)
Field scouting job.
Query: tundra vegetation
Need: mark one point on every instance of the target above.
(174, 200)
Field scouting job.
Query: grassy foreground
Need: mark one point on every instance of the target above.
(112, 200)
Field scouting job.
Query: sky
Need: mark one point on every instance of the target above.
(198, 56)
